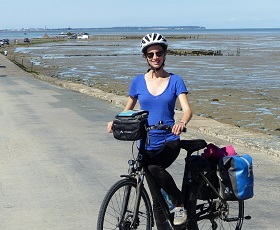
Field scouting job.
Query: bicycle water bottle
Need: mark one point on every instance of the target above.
(171, 206)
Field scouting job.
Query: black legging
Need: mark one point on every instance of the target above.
(158, 161)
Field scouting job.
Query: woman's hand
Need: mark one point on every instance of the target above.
(178, 128)
(110, 127)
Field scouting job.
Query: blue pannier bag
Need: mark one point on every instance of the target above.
(236, 177)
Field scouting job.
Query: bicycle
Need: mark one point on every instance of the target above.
(127, 205)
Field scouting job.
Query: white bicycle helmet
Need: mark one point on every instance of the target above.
(152, 39)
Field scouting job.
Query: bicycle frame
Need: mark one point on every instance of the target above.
(141, 173)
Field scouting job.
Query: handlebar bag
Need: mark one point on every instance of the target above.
(130, 125)
(236, 177)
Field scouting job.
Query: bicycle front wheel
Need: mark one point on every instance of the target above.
(116, 211)
(214, 213)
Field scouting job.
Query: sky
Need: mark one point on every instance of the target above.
(212, 14)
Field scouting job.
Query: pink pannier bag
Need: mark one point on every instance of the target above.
(216, 152)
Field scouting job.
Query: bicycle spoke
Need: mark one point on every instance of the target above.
(118, 207)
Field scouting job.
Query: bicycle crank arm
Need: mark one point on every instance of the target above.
(235, 219)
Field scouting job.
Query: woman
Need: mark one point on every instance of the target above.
(157, 91)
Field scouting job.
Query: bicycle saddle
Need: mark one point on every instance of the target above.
(193, 145)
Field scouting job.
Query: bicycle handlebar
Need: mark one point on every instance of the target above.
(161, 126)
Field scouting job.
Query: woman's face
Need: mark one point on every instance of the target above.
(155, 56)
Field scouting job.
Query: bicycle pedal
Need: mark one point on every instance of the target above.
(247, 217)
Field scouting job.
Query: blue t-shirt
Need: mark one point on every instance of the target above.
(160, 107)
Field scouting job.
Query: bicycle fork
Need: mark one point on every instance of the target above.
(134, 221)
(139, 186)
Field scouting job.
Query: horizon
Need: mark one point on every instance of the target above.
(114, 27)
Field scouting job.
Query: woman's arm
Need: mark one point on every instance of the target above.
(131, 102)
(187, 114)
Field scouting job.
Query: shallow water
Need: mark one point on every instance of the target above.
(257, 65)
(249, 83)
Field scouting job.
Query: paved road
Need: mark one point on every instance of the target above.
(57, 161)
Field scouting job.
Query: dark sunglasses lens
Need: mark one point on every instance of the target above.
(158, 54)
(150, 55)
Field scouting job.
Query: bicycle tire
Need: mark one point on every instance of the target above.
(110, 214)
(213, 213)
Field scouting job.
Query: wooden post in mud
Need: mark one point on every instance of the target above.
(238, 51)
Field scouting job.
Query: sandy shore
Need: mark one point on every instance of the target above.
(224, 104)
(206, 103)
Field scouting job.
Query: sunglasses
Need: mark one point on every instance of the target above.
(158, 54)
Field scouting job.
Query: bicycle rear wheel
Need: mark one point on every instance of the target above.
(116, 211)
(214, 213)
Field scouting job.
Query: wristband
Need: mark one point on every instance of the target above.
(185, 123)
